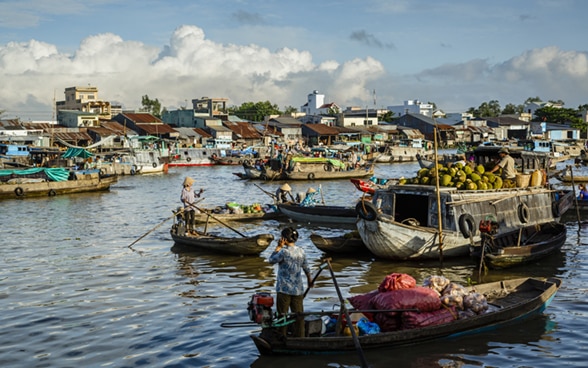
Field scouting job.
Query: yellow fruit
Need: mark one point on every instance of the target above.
(480, 169)
(425, 180)
(475, 177)
(423, 172)
(467, 170)
(402, 181)
(445, 180)
(471, 186)
(497, 183)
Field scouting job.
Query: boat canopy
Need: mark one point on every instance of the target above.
(76, 152)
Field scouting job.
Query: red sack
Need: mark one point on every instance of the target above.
(419, 297)
(416, 320)
(387, 323)
(363, 302)
(395, 281)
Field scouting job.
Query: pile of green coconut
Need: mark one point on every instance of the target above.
(460, 176)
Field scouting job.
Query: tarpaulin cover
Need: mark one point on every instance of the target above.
(53, 174)
(76, 152)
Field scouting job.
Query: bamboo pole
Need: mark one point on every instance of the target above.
(438, 192)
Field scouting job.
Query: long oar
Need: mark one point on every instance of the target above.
(161, 223)
(364, 363)
(219, 221)
(321, 267)
(266, 192)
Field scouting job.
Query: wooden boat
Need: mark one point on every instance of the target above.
(568, 176)
(516, 247)
(509, 301)
(240, 217)
(193, 156)
(350, 243)
(318, 168)
(402, 221)
(49, 182)
(370, 186)
(248, 245)
(319, 214)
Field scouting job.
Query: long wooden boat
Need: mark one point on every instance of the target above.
(240, 217)
(325, 169)
(49, 182)
(510, 301)
(516, 247)
(248, 245)
(319, 214)
(349, 243)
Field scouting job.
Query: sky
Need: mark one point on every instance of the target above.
(376, 53)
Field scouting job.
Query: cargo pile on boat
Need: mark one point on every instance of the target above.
(469, 177)
(237, 208)
(405, 305)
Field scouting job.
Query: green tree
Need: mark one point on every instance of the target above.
(486, 109)
(580, 108)
(288, 110)
(256, 111)
(511, 109)
(388, 116)
(558, 115)
(151, 106)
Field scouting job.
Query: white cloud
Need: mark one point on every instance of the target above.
(191, 66)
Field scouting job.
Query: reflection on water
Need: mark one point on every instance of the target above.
(74, 294)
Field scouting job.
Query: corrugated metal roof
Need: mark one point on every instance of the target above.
(243, 130)
(141, 117)
(155, 129)
(321, 129)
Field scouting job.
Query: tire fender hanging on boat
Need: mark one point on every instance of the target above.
(310, 176)
(133, 170)
(51, 193)
(188, 158)
(467, 225)
(18, 191)
(154, 165)
(523, 212)
(366, 210)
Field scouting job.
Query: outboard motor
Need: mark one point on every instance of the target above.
(260, 308)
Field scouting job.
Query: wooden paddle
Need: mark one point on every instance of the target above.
(364, 363)
(161, 223)
(219, 221)
(321, 267)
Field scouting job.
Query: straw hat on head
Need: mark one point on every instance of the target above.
(188, 181)
(311, 190)
(285, 187)
(503, 150)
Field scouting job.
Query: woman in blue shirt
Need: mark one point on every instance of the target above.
(291, 260)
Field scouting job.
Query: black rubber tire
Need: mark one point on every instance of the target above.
(366, 210)
(154, 165)
(467, 225)
(523, 212)
(18, 191)
(51, 193)
(311, 176)
(188, 158)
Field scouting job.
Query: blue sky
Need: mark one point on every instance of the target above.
(456, 53)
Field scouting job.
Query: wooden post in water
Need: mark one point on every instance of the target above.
(439, 215)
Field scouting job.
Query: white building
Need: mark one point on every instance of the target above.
(412, 107)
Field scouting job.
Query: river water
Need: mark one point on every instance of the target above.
(73, 294)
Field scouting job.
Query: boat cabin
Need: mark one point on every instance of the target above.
(14, 150)
(525, 161)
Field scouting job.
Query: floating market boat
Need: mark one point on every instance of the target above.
(508, 301)
(520, 246)
(319, 168)
(49, 182)
(402, 220)
(257, 213)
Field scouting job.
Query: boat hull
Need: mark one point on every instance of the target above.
(251, 245)
(412, 233)
(84, 183)
(319, 214)
(339, 244)
(510, 300)
(518, 247)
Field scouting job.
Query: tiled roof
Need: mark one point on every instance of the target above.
(154, 129)
(321, 129)
(141, 117)
(243, 130)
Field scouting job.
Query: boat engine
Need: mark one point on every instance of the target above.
(489, 225)
(260, 308)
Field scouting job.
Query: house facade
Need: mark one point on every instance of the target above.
(412, 107)
(85, 99)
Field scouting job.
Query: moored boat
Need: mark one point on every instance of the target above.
(267, 212)
(520, 246)
(49, 182)
(349, 243)
(317, 168)
(319, 213)
(508, 301)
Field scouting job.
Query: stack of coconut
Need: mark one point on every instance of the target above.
(459, 176)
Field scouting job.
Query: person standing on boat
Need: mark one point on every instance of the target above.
(187, 197)
(507, 164)
(291, 261)
(284, 194)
